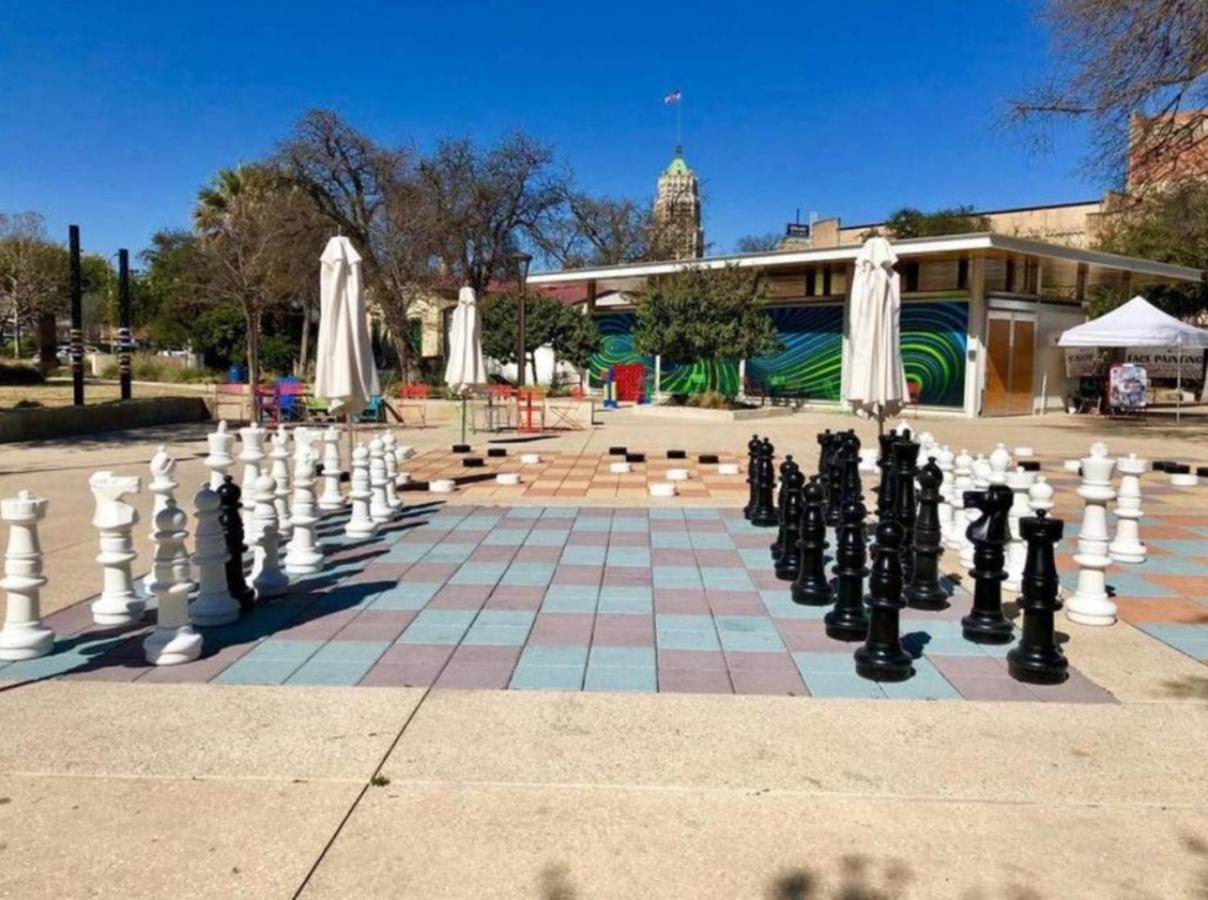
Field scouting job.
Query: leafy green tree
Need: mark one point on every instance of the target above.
(908, 222)
(33, 273)
(572, 336)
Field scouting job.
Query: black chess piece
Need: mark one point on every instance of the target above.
(229, 496)
(811, 587)
(753, 446)
(881, 657)
(886, 489)
(905, 469)
(834, 476)
(986, 623)
(1038, 658)
(850, 484)
(763, 513)
(788, 564)
(848, 621)
(786, 468)
(826, 449)
(924, 591)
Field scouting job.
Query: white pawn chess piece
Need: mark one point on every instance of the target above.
(221, 442)
(390, 456)
(962, 480)
(1090, 604)
(1040, 495)
(927, 445)
(24, 636)
(332, 497)
(302, 556)
(251, 454)
(901, 428)
(360, 523)
(173, 639)
(379, 503)
(280, 455)
(119, 603)
(982, 472)
(267, 578)
(1000, 464)
(1020, 482)
(214, 604)
(1127, 547)
(944, 462)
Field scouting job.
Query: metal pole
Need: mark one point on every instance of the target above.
(77, 317)
(1178, 382)
(123, 318)
(520, 339)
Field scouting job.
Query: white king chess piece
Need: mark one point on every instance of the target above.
(24, 636)
(119, 603)
(251, 454)
(303, 556)
(163, 485)
(221, 443)
(173, 639)
(1090, 604)
(944, 461)
(331, 498)
(1127, 546)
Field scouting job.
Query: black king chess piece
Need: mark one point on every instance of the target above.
(786, 468)
(1038, 659)
(881, 657)
(986, 624)
(811, 587)
(905, 469)
(763, 513)
(848, 621)
(849, 478)
(229, 496)
(753, 446)
(887, 488)
(834, 476)
(788, 564)
(924, 591)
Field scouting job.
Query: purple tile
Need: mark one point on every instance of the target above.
(484, 655)
(539, 554)
(970, 666)
(71, 620)
(199, 670)
(720, 559)
(109, 668)
(694, 681)
(431, 573)
(692, 660)
(390, 572)
(707, 526)
(400, 675)
(762, 681)
(431, 655)
(680, 605)
(627, 576)
(806, 640)
(736, 603)
(587, 539)
(376, 625)
(514, 596)
(584, 575)
(753, 541)
(998, 688)
(466, 536)
(460, 596)
(766, 579)
(671, 556)
(471, 677)
(562, 629)
(493, 554)
(623, 630)
(1076, 689)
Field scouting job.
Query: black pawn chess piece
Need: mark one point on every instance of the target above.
(905, 469)
(882, 657)
(753, 446)
(886, 489)
(229, 496)
(786, 468)
(924, 591)
(848, 621)
(763, 513)
(811, 587)
(986, 623)
(1038, 658)
(788, 563)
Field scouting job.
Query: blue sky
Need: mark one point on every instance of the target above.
(112, 115)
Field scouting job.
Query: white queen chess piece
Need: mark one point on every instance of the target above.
(360, 523)
(332, 498)
(221, 443)
(1127, 546)
(114, 519)
(1090, 604)
(24, 635)
(173, 639)
(214, 604)
(267, 578)
(251, 454)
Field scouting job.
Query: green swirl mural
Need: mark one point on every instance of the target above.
(714, 375)
(811, 363)
(616, 347)
(935, 336)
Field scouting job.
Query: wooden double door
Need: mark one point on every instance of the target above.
(1010, 360)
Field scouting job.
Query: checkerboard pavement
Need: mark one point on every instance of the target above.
(592, 598)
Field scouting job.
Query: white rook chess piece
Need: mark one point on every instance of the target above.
(267, 578)
(360, 523)
(280, 455)
(1090, 604)
(982, 473)
(1127, 546)
(390, 450)
(221, 442)
(1020, 482)
(23, 635)
(251, 454)
(115, 519)
(173, 639)
(379, 502)
(214, 604)
(962, 480)
(944, 462)
(332, 497)
(302, 556)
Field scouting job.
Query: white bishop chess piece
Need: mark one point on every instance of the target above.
(1127, 546)
(214, 604)
(332, 498)
(114, 519)
(173, 639)
(221, 443)
(1090, 604)
(267, 578)
(379, 502)
(24, 635)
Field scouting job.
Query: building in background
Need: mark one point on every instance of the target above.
(677, 213)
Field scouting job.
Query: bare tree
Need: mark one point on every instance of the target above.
(33, 272)
(758, 243)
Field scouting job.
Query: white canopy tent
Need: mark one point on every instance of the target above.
(1138, 323)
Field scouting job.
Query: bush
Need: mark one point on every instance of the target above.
(17, 373)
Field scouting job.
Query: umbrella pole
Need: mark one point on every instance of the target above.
(463, 417)
(349, 427)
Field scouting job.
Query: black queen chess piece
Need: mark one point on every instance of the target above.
(229, 497)
(986, 623)
(886, 488)
(881, 657)
(763, 513)
(849, 482)
(753, 446)
(848, 621)
(836, 468)
(905, 470)
(924, 591)
(788, 563)
(786, 468)
(1038, 658)
(811, 587)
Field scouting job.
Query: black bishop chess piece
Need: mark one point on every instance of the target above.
(924, 591)
(788, 562)
(786, 468)
(887, 488)
(986, 623)
(763, 513)
(753, 446)
(811, 587)
(1038, 658)
(848, 621)
(905, 469)
(882, 656)
(229, 516)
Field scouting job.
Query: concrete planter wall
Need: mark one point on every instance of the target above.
(65, 421)
(694, 414)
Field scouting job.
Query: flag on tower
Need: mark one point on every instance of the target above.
(672, 98)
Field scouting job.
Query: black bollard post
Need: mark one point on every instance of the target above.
(986, 623)
(229, 496)
(763, 513)
(124, 336)
(906, 462)
(77, 316)
(1038, 658)
(811, 587)
(848, 621)
(924, 591)
(786, 468)
(882, 657)
(753, 446)
(788, 564)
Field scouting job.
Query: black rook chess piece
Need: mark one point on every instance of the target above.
(924, 591)
(788, 562)
(882, 657)
(229, 496)
(753, 446)
(786, 468)
(811, 587)
(1038, 659)
(986, 624)
(763, 513)
(905, 468)
(848, 621)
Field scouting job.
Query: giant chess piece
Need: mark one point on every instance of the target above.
(360, 523)
(215, 604)
(304, 443)
(844, 445)
(221, 443)
(945, 461)
(788, 564)
(231, 518)
(172, 641)
(390, 447)
(24, 636)
(379, 501)
(331, 498)
(981, 482)
(986, 623)
(1038, 659)
(905, 464)
(882, 657)
(267, 578)
(850, 484)
(848, 621)
(924, 591)
(1090, 604)
(1040, 497)
(1020, 482)
(786, 468)
(962, 481)
(302, 556)
(280, 455)
(753, 454)
(119, 603)
(763, 513)
(887, 488)
(1126, 547)
(163, 485)
(251, 454)
(811, 587)
(1000, 464)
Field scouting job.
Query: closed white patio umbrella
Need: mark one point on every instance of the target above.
(876, 384)
(465, 368)
(345, 374)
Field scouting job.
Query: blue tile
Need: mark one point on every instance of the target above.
(578, 555)
(554, 656)
(454, 617)
(560, 512)
(433, 634)
(711, 540)
(756, 558)
(748, 624)
(282, 649)
(812, 662)
(1172, 565)
(677, 577)
(842, 685)
(450, 552)
(332, 673)
(505, 537)
(522, 617)
(351, 651)
(582, 524)
(542, 537)
(264, 671)
(393, 601)
(547, 678)
(1128, 585)
(624, 599)
(480, 522)
(496, 635)
(406, 552)
(623, 657)
(419, 591)
(621, 680)
(584, 602)
(926, 684)
(629, 525)
(524, 512)
(667, 513)
(687, 640)
(746, 640)
(528, 574)
(479, 573)
(629, 557)
(679, 622)
(670, 540)
(701, 514)
(1179, 548)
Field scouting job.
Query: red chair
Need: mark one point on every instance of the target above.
(417, 394)
(915, 391)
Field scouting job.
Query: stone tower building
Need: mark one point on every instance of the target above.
(677, 211)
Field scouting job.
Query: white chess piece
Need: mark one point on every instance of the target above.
(390, 450)
(302, 556)
(1040, 495)
(944, 462)
(982, 473)
(332, 497)
(267, 578)
(280, 455)
(251, 454)
(115, 519)
(163, 485)
(304, 440)
(221, 442)
(173, 639)
(214, 604)
(360, 523)
(1020, 482)
(1000, 464)
(24, 636)
(1090, 604)
(962, 480)
(379, 502)
(1127, 546)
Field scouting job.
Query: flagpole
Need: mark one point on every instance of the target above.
(679, 137)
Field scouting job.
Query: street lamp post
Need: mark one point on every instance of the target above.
(522, 261)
